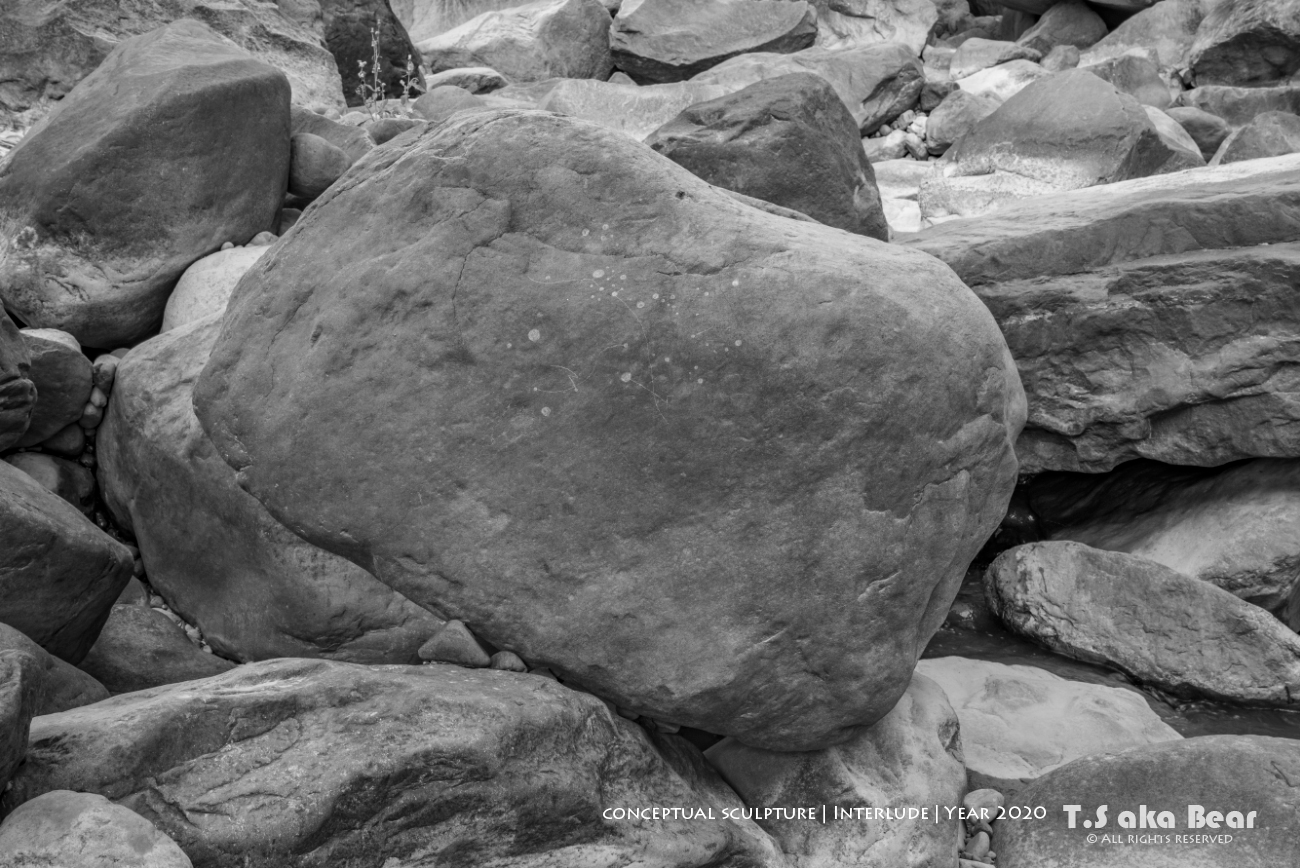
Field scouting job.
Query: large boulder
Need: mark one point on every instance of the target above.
(635, 375)
(859, 23)
(877, 83)
(62, 376)
(59, 574)
(140, 648)
(1168, 28)
(176, 143)
(1180, 634)
(657, 41)
(1170, 343)
(1237, 527)
(309, 764)
(956, 116)
(17, 391)
(1247, 42)
(62, 685)
(253, 587)
(911, 757)
(1253, 776)
(349, 28)
(1020, 722)
(787, 140)
(87, 831)
(531, 42)
(1071, 130)
(49, 48)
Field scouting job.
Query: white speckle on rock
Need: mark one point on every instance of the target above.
(735, 283)
(640, 304)
(586, 232)
(509, 345)
(546, 411)
(598, 273)
(700, 381)
(534, 335)
(604, 226)
(737, 343)
(655, 296)
(625, 377)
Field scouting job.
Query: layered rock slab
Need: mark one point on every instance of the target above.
(254, 588)
(297, 763)
(108, 202)
(667, 419)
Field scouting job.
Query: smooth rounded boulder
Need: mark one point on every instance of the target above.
(177, 143)
(63, 686)
(205, 287)
(787, 140)
(85, 830)
(17, 391)
(62, 376)
(639, 422)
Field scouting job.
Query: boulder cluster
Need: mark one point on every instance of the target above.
(583, 432)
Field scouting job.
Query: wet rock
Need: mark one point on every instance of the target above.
(1252, 42)
(205, 287)
(253, 587)
(111, 203)
(1180, 634)
(659, 41)
(334, 763)
(59, 574)
(789, 141)
(660, 417)
(61, 685)
(1019, 722)
(86, 830)
(1223, 773)
(913, 756)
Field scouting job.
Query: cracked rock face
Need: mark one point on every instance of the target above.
(724, 468)
(315, 764)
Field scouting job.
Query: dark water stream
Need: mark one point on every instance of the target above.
(972, 631)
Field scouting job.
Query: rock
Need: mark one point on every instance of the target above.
(17, 391)
(1136, 76)
(86, 830)
(69, 442)
(983, 801)
(455, 644)
(426, 18)
(205, 287)
(387, 129)
(288, 219)
(353, 141)
(508, 661)
(1180, 634)
(1019, 722)
(1239, 106)
(668, 417)
(349, 26)
(974, 55)
(140, 648)
(956, 116)
(1237, 527)
(1168, 28)
(475, 79)
(877, 83)
(1072, 130)
(68, 479)
(20, 697)
(1249, 42)
(61, 685)
(911, 757)
(1013, 24)
(1177, 332)
(660, 41)
(62, 377)
(1032, 7)
(1174, 137)
(510, 767)
(860, 23)
(1000, 83)
(112, 203)
(253, 587)
(52, 48)
(443, 101)
(532, 42)
(1060, 58)
(934, 93)
(59, 574)
(1069, 22)
(634, 111)
(1271, 134)
(314, 164)
(104, 371)
(789, 141)
(1207, 131)
(1223, 773)
(885, 148)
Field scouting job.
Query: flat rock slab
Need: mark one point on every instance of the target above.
(315, 764)
(1180, 634)
(1222, 773)
(108, 200)
(253, 587)
(668, 412)
(657, 41)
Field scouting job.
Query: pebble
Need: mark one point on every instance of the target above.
(454, 643)
(508, 661)
(98, 398)
(987, 799)
(263, 239)
(228, 245)
(977, 848)
(91, 416)
(104, 371)
(543, 672)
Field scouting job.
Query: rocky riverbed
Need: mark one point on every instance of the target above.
(788, 433)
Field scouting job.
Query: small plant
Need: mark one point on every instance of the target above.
(371, 87)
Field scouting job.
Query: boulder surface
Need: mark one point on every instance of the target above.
(85, 830)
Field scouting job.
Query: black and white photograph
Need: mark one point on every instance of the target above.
(650, 434)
